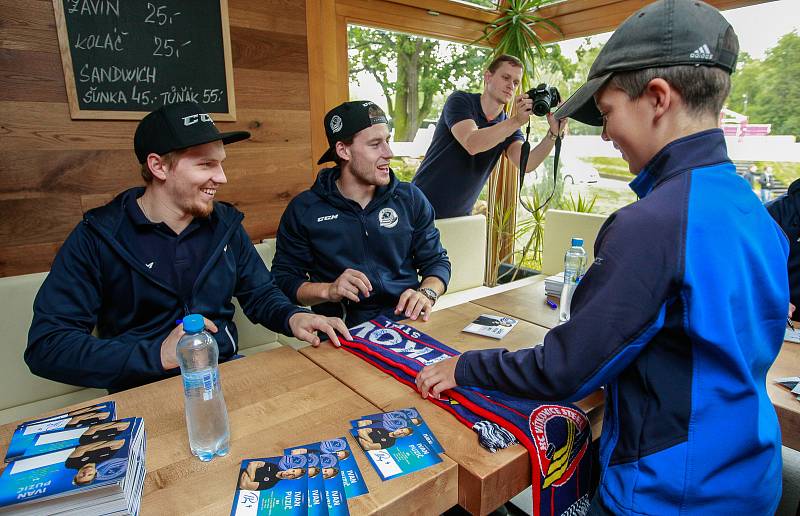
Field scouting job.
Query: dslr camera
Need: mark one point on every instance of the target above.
(544, 98)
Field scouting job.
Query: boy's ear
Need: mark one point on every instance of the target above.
(660, 96)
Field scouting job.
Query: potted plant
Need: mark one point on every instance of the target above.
(513, 33)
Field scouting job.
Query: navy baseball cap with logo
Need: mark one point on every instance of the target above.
(346, 119)
(662, 34)
(178, 126)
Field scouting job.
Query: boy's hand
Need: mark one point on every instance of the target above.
(436, 378)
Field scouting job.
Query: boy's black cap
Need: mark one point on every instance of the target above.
(664, 33)
(178, 126)
(347, 119)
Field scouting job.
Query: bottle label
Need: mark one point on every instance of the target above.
(206, 380)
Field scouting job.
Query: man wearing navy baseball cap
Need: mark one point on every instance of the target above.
(135, 266)
(356, 243)
(683, 310)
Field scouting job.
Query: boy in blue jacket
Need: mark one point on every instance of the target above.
(135, 266)
(356, 243)
(683, 310)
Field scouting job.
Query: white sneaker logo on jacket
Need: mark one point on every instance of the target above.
(387, 218)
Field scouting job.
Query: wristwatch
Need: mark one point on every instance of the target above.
(429, 293)
(551, 135)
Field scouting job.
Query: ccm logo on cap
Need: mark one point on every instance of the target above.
(193, 119)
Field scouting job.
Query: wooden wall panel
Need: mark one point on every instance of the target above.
(53, 169)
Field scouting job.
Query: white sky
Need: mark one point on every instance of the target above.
(759, 27)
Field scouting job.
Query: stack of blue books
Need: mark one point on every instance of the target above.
(85, 461)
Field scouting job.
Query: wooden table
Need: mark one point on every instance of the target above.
(276, 399)
(526, 303)
(485, 480)
(786, 404)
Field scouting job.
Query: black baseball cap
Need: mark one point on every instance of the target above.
(347, 119)
(664, 33)
(178, 126)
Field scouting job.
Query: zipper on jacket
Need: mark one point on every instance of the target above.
(367, 254)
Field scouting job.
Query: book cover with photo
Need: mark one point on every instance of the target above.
(272, 485)
(72, 437)
(402, 418)
(352, 480)
(26, 432)
(95, 478)
(395, 453)
(494, 326)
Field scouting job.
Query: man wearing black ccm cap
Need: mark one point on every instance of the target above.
(355, 243)
(683, 311)
(135, 266)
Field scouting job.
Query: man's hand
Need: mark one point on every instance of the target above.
(348, 285)
(412, 303)
(304, 324)
(436, 378)
(524, 109)
(557, 126)
(169, 357)
(791, 310)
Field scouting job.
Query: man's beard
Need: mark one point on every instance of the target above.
(365, 172)
(198, 211)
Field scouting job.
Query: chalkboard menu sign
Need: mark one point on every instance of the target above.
(125, 58)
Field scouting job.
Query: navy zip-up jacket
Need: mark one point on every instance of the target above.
(96, 282)
(680, 316)
(391, 241)
(786, 212)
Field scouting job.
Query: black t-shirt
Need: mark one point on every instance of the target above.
(266, 476)
(381, 437)
(89, 421)
(106, 434)
(450, 178)
(94, 457)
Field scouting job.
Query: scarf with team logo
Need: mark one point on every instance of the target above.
(557, 436)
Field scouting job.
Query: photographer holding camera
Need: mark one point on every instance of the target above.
(472, 133)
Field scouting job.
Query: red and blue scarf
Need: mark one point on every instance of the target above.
(557, 436)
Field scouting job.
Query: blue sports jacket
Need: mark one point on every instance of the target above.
(96, 282)
(680, 316)
(392, 241)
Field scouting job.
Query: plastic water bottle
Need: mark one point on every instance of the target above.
(574, 267)
(206, 414)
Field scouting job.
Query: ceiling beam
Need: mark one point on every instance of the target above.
(577, 18)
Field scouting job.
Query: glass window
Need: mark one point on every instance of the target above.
(410, 77)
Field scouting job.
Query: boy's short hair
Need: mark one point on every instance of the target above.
(702, 88)
(503, 58)
(169, 159)
(663, 39)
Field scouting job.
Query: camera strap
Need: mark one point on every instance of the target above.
(523, 164)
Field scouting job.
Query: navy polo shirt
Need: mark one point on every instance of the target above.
(451, 179)
(174, 260)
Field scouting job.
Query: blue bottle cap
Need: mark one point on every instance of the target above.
(193, 323)
(577, 242)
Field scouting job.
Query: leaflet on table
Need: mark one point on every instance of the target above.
(394, 456)
(335, 492)
(397, 419)
(73, 470)
(488, 325)
(315, 494)
(59, 439)
(26, 432)
(792, 335)
(272, 485)
(352, 479)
